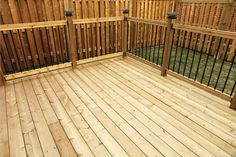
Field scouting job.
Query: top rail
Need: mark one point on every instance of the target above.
(208, 31)
(32, 25)
(93, 20)
(148, 21)
(205, 1)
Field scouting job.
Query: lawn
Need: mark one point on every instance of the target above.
(178, 62)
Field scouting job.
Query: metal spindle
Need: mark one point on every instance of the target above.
(181, 54)
(194, 53)
(200, 58)
(8, 53)
(186, 60)
(176, 50)
(148, 29)
(231, 66)
(221, 67)
(21, 43)
(213, 66)
(155, 40)
(171, 48)
(49, 46)
(44, 50)
(206, 63)
(159, 44)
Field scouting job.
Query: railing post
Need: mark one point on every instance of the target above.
(71, 38)
(168, 43)
(125, 31)
(2, 79)
(233, 102)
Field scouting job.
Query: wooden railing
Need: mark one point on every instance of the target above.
(176, 49)
(34, 45)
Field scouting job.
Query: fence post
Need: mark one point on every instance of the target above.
(168, 43)
(233, 102)
(71, 38)
(125, 31)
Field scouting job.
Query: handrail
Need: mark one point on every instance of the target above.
(94, 20)
(148, 21)
(208, 31)
(32, 25)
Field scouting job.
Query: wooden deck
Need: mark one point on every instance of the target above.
(117, 107)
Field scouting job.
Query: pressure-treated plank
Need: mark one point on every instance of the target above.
(73, 134)
(198, 149)
(95, 145)
(4, 143)
(16, 141)
(46, 139)
(113, 147)
(118, 123)
(159, 102)
(63, 144)
(31, 140)
(169, 96)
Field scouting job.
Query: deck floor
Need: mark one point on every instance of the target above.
(117, 107)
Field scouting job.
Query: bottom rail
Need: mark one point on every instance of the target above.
(59, 66)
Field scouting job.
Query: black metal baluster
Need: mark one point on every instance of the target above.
(36, 48)
(8, 54)
(206, 63)
(171, 48)
(163, 47)
(137, 38)
(176, 50)
(200, 58)
(155, 41)
(213, 66)
(150, 47)
(16, 51)
(27, 66)
(159, 45)
(143, 39)
(221, 67)
(148, 29)
(181, 54)
(186, 60)
(31, 55)
(60, 43)
(66, 46)
(44, 50)
(194, 53)
(49, 45)
(231, 66)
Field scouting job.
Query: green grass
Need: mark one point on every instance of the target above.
(148, 54)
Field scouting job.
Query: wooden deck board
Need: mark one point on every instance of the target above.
(116, 107)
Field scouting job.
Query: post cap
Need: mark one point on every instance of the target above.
(68, 12)
(172, 15)
(125, 11)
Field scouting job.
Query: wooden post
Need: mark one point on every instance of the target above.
(233, 102)
(2, 79)
(125, 31)
(168, 43)
(71, 38)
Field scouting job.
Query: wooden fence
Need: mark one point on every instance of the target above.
(216, 14)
